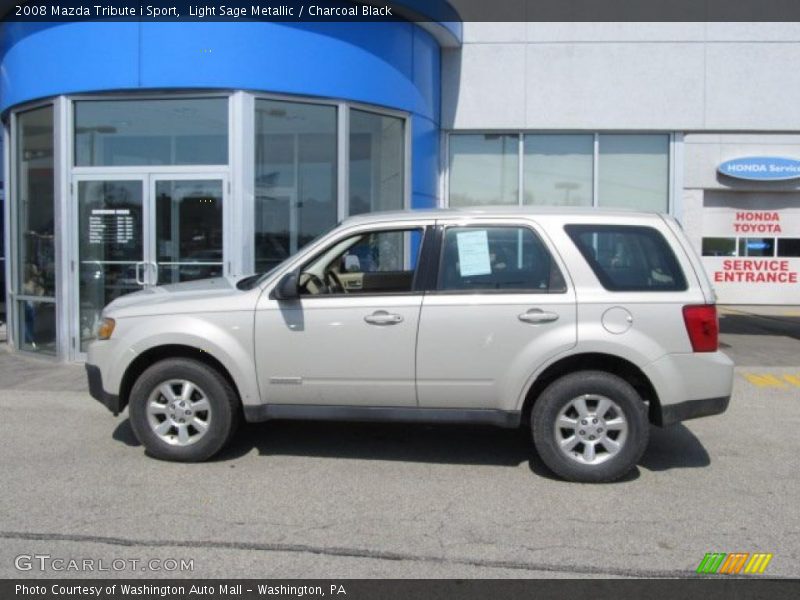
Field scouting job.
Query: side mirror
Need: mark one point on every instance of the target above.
(287, 287)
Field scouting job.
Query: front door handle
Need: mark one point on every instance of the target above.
(137, 272)
(155, 272)
(537, 315)
(381, 317)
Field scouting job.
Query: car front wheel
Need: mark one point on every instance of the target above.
(590, 426)
(183, 410)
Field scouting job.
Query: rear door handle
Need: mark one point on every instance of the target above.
(381, 317)
(537, 315)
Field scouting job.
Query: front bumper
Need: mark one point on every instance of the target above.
(110, 401)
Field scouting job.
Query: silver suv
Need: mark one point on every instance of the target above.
(587, 325)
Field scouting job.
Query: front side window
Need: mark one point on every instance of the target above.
(181, 131)
(628, 258)
(377, 262)
(497, 259)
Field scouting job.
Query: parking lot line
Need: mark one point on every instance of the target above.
(781, 380)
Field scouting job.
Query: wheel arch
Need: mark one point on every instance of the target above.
(594, 361)
(158, 353)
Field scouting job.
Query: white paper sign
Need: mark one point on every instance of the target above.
(473, 253)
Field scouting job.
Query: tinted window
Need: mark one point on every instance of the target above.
(185, 131)
(719, 246)
(789, 247)
(497, 258)
(626, 258)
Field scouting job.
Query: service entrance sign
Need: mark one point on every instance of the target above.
(752, 253)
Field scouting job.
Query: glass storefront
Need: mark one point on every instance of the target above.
(559, 169)
(154, 191)
(191, 131)
(484, 169)
(295, 177)
(377, 171)
(111, 248)
(35, 231)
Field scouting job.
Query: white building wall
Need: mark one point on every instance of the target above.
(623, 76)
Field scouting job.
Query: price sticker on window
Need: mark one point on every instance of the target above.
(473, 253)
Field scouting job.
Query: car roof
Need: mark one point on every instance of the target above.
(496, 211)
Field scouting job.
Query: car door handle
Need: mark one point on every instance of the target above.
(537, 315)
(381, 317)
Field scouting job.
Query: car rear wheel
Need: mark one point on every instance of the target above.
(183, 410)
(590, 426)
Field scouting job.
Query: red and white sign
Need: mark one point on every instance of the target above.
(753, 279)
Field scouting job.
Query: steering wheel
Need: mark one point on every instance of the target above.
(312, 278)
(335, 286)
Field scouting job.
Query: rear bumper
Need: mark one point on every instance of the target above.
(110, 401)
(691, 409)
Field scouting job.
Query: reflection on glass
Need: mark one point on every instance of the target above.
(35, 224)
(110, 234)
(188, 229)
(484, 169)
(633, 171)
(376, 162)
(185, 131)
(719, 246)
(558, 170)
(295, 177)
(37, 322)
(756, 246)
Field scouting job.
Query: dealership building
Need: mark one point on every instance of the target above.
(144, 153)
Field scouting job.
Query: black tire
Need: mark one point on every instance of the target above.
(570, 464)
(222, 416)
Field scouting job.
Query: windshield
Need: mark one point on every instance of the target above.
(251, 281)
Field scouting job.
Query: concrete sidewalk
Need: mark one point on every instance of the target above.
(33, 373)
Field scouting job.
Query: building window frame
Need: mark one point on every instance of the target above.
(674, 155)
(239, 174)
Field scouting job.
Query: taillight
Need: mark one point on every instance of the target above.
(702, 326)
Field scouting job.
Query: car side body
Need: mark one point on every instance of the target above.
(489, 309)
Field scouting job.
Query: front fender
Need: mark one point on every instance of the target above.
(225, 336)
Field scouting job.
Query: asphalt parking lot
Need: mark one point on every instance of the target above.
(308, 500)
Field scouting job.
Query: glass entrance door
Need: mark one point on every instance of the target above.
(111, 247)
(188, 229)
(139, 231)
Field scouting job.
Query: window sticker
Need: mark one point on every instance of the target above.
(473, 253)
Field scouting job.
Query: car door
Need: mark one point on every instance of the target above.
(501, 308)
(350, 338)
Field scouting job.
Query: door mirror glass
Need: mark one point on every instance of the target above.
(287, 287)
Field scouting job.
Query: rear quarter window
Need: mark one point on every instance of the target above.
(629, 258)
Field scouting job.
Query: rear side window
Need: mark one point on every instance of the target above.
(628, 258)
(509, 259)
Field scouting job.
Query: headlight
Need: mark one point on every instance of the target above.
(106, 329)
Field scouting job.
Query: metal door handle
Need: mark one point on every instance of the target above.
(381, 317)
(138, 266)
(155, 272)
(537, 315)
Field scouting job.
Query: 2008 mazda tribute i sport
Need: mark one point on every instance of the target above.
(587, 325)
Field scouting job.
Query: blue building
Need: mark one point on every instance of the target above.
(145, 153)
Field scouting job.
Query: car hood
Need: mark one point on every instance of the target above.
(202, 295)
